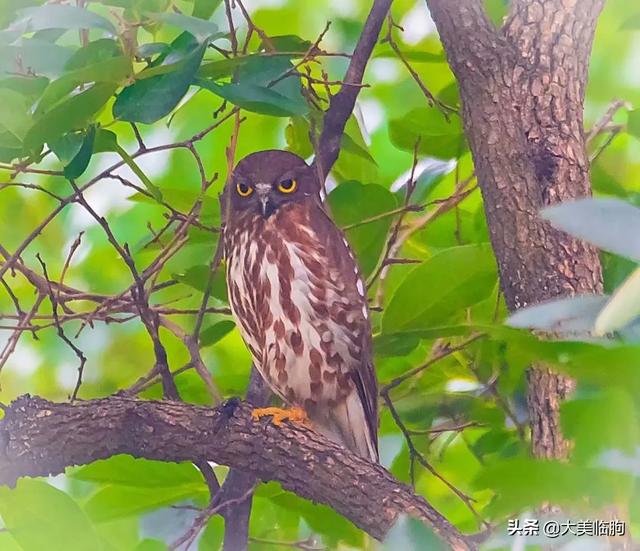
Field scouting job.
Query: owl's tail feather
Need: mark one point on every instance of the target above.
(346, 424)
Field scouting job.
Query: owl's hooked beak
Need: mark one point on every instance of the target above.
(263, 191)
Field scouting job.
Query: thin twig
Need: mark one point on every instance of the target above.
(54, 306)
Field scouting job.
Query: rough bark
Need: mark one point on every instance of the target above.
(522, 92)
(239, 483)
(39, 438)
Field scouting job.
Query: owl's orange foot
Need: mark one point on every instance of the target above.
(294, 415)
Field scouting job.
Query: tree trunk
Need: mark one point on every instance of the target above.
(522, 92)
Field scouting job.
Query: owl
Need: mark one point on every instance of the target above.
(299, 300)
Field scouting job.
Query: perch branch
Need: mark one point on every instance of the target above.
(39, 438)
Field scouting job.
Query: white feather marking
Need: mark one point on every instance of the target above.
(360, 287)
(311, 327)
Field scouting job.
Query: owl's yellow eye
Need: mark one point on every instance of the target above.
(287, 186)
(244, 190)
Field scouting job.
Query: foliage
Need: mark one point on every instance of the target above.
(138, 103)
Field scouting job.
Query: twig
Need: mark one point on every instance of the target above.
(198, 524)
(54, 306)
(431, 99)
(342, 104)
(308, 544)
(443, 352)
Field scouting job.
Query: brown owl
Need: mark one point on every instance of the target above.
(299, 300)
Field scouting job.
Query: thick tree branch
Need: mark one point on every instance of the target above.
(342, 104)
(39, 438)
(522, 92)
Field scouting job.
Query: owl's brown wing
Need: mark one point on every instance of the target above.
(362, 373)
(367, 386)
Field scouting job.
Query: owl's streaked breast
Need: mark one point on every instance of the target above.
(300, 314)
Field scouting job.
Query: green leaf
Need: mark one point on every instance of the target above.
(221, 68)
(395, 344)
(8, 543)
(126, 471)
(94, 52)
(632, 23)
(204, 8)
(320, 518)
(450, 94)
(441, 287)
(213, 535)
(582, 418)
(150, 49)
(114, 502)
(438, 137)
(412, 55)
(623, 307)
(633, 121)
(615, 270)
(150, 99)
(297, 136)
(67, 147)
(254, 87)
(350, 145)
(216, 332)
(29, 87)
(71, 114)
(55, 16)
(256, 98)
(39, 516)
(151, 187)
(573, 314)
(195, 276)
(496, 10)
(611, 224)
(411, 535)
(105, 141)
(151, 545)
(81, 160)
(200, 28)
(113, 70)
(289, 43)
(352, 203)
(119, 535)
(39, 57)
(493, 442)
(14, 117)
(548, 482)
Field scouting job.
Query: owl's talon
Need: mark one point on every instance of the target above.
(295, 415)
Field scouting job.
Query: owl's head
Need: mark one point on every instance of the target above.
(264, 181)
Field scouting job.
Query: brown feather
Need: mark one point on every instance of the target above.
(300, 302)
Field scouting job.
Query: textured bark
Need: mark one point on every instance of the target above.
(39, 438)
(239, 483)
(522, 92)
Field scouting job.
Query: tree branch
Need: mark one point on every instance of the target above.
(522, 92)
(39, 438)
(341, 106)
